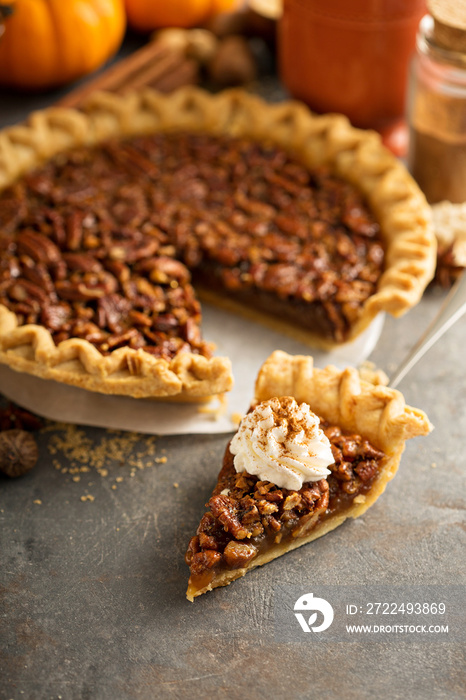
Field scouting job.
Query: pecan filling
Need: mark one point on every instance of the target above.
(99, 243)
(447, 270)
(247, 516)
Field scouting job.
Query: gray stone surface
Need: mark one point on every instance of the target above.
(92, 593)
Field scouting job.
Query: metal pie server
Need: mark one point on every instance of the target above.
(451, 311)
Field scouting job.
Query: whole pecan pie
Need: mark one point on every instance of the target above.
(252, 520)
(111, 217)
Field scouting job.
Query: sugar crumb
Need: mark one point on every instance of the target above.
(38, 502)
(85, 454)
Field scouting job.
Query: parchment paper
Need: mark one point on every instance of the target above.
(246, 343)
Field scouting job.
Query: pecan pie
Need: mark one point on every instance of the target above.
(251, 520)
(450, 230)
(108, 216)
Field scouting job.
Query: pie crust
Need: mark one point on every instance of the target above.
(450, 230)
(353, 154)
(375, 412)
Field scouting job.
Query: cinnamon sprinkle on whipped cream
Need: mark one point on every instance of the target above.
(280, 441)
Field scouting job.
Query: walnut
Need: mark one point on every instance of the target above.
(199, 44)
(233, 63)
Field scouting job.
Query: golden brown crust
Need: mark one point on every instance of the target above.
(341, 397)
(356, 155)
(125, 371)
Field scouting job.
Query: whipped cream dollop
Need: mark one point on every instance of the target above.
(281, 441)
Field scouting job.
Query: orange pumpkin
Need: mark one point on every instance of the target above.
(48, 43)
(147, 15)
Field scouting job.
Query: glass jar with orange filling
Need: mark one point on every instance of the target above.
(350, 56)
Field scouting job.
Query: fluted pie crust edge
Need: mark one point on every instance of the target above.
(342, 398)
(356, 155)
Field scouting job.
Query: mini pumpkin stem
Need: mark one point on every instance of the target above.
(6, 10)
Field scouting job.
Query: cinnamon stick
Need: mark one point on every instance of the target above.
(151, 72)
(121, 73)
(186, 73)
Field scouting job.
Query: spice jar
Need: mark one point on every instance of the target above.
(437, 103)
(350, 56)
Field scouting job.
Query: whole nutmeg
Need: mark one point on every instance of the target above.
(18, 452)
(233, 63)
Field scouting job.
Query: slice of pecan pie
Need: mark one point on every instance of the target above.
(450, 231)
(317, 447)
(109, 215)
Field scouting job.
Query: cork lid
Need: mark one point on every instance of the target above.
(449, 23)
